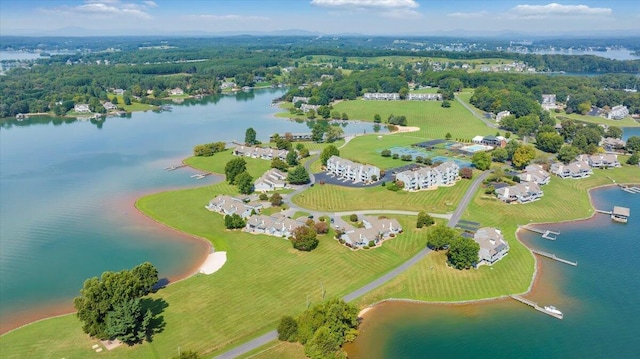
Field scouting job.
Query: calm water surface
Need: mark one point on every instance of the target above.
(67, 190)
(598, 298)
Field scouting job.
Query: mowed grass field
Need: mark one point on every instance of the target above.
(432, 280)
(263, 279)
(625, 122)
(434, 121)
(216, 163)
(336, 198)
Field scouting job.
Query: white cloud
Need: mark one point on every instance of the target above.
(468, 15)
(555, 9)
(229, 17)
(107, 9)
(366, 4)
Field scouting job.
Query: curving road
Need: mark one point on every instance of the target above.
(453, 220)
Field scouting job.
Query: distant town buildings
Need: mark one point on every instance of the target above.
(260, 152)
(373, 230)
(493, 247)
(524, 192)
(352, 171)
(445, 174)
(618, 112)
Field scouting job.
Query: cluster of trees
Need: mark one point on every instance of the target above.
(462, 252)
(322, 329)
(298, 175)
(323, 132)
(112, 307)
(327, 152)
(424, 220)
(208, 149)
(397, 120)
(234, 221)
(304, 238)
(236, 173)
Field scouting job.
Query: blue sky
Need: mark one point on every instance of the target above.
(376, 17)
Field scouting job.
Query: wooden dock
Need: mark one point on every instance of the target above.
(546, 234)
(553, 256)
(603, 211)
(535, 306)
(172, 168)
(630, 189)
(200, 175)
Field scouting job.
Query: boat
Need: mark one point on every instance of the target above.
(551, 309)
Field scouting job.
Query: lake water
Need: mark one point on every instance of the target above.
(598, 298)
(630, 131)
(614, 54)
(67, 190)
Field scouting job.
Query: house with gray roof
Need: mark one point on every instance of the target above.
(265, 153)
(109, 106)
(373, 229)
(296, 99)
(352, 171)
(524, 192)
(535, 173)
(276, 225)
(271, 180)
(424, 97)
(427, 177)
(601, 160)
(618, 112)
(493, 247)
(574, 170)
(385, 96)
(612, 144)
(227, 206)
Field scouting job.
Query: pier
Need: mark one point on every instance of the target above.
(172, 168)
(535, 306)
(553, 256)
(630, 189)
(619, 214)
(546, 234)
(200, 175)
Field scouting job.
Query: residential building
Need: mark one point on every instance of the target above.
(352, 171)
(176, 92)
(523, 192)
(260, 152)
(118, 92)
(297, 99)
(536, 174)
(293, 136)
(445, 174)
(618, 112)
(306, 107)
(381, 96)
(493, 247)
(424, 97)
(109, 106)
(575, 169)
(600, 160)
(549, 101)
(612, 144)
(277, 225)
(227, 85)
(374, 229)
(493, 141)
(227, 205)
(81, 108)
(502, 115)
(271, 180)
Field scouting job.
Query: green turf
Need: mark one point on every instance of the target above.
(625, 122)
(216, 163)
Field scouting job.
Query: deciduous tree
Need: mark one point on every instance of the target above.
(327, 152)
(233, 168)
(304, 238)
(463, 252)
(250, 136)
(244, 182)
(481, 160)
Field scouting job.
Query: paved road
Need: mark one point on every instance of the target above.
(486, 121)
(462, 206)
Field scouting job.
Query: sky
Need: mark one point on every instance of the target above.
(368, 17)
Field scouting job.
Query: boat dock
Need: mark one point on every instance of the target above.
(630, 189)
(535, 306)
(619, 214)
(553, 256)
(172, 168)
(546, 234)
(200, 175)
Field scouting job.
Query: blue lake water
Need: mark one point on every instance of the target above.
(598, 298)
(67, 190)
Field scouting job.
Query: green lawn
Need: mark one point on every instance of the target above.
(626, 122)
(216, 163)
(277, 350)
(336, 198)
(263, 279)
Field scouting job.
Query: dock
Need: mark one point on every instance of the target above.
(619, 214)
(200, 175)
(630, 189)
(172, 168)
(535, 306)
(603, 211)
(553, 256)
(546, 234)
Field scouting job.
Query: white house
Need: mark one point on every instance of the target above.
(424, 97)
(109, 106)
(260, 152)
(524, 192)
(445, 174)
(271, 180)
(381, 96)
(575, 169)
(374, 229)
(227, 205)
(300, 99)
(81, 108)
(351, 171)
(493, 247)
(535, 173)
(549, 101)
(501, 115)
(601, 160)
(618, 112)
(306, 107)
(176, 92)
(277, 225)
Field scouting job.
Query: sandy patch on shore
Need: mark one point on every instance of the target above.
(214, 262)
(402, 129)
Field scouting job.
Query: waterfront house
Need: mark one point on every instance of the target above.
(176, 92)
(611, 144)
(373, 229)
(277, 225)
(549, 101)
(618, 112)
(501, 115)
(81, 108)
(352, 171)
(293, 136)
(600, 160)
(426, 177)
(524, 192)
(109, 106)
(306, 107)
(386, 96)
(575, 170)
(260, 152)
(227, 205)
(297, 99)
(271, 180)
(535, 173)
(493, 247)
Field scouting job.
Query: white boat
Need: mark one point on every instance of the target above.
(553, 310)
